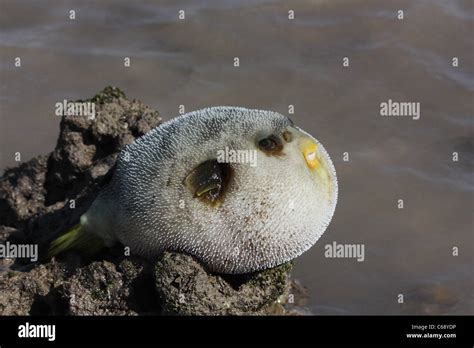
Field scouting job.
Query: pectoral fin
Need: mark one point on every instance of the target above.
(209, 180)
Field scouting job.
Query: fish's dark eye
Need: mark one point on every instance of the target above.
(268, 144)
(271, 144)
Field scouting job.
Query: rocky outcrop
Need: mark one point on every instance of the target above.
(44, 197)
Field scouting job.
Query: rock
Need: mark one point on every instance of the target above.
(6, 233)
(25, 293)
(44, 197)
(103, 288)
(22, 192)
(87, 148)
(186, 288)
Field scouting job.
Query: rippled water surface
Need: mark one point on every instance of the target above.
(296, 62)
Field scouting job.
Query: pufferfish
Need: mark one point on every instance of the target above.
(171, 190)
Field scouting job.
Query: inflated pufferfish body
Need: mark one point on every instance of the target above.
(170, 191)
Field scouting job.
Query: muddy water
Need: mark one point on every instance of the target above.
(408, 251)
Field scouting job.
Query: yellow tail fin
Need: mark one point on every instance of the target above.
(76, 238)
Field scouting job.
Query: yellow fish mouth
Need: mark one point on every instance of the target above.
(310, 153)
(317, 165)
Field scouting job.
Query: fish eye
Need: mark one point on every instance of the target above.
(268, 144)
(271, 144)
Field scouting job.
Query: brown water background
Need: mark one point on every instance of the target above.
(284, 62)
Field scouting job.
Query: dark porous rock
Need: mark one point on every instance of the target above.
(186, 288)
(104, 288)
(22, 192)
(87, 148)
(44, 197)
(29, 293)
